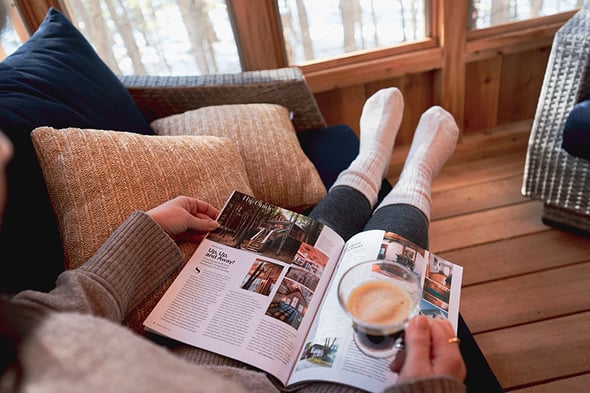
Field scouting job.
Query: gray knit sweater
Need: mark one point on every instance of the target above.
(81, 345)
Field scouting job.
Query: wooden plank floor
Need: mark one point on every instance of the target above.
(525, 284)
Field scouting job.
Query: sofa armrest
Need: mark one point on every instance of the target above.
(160, 96)
(551, 174)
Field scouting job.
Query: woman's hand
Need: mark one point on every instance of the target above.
(185, 218)
(431, 350)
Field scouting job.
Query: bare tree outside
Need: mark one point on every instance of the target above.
(306, 39)
(120, 17)
(195, 15)
(350, 11)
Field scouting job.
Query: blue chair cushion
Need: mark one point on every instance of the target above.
(53, 79)
(331, 150)
(576, 133)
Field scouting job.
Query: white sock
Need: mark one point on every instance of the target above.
(379, 124)
(433, 143)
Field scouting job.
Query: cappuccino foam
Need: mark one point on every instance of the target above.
(379, 302)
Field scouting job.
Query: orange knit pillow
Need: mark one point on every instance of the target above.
(278, 169)
(96, 178)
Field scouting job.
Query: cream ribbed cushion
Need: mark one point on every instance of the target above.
(95, 179)
(278, 169)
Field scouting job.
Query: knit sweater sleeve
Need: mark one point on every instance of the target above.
(434, 384)
(131, 264)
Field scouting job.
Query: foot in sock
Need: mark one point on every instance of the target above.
(380, 121)
(433, 144)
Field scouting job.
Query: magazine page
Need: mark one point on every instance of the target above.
(330, 353)
(251, 289)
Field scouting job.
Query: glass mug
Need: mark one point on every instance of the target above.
(380, 297)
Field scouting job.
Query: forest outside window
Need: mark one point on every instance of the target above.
(188, 37)
(316, 30)
(488, 13)
(159, 37)
(191, 37)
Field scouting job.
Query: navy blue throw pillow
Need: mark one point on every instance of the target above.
(54, 79)
(576, 134)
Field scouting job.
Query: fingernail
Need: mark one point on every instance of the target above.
(421, 322)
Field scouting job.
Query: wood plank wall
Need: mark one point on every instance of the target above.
(498, 90)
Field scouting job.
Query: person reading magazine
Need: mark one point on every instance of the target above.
(349, 210)
(71, 338)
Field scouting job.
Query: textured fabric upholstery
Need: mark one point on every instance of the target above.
(278, 169)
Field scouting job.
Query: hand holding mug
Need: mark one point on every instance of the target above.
(431, 349)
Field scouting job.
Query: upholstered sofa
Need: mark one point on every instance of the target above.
(557, 169)
(271, 141)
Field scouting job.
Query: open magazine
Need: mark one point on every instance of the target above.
(262, 289)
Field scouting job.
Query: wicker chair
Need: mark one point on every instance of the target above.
(560, 180)
(159, 96)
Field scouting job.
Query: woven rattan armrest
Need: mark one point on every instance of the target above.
(551, 175)
(160, 96)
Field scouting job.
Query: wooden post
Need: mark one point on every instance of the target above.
(258, 34)
(33, 11)
(453, 32)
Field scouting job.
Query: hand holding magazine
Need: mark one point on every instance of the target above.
(262, 289)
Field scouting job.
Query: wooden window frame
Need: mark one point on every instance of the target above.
(447, 51)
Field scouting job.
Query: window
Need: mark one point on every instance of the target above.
(14, 33)
(159, 37)
(321, 29)
(190, 37)
(487, 13)
(10, 40)
(176, 37)
(150, 37)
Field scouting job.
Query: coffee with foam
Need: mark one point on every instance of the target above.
(380, 297)
(379, 303)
